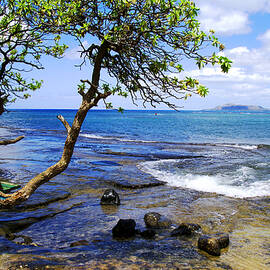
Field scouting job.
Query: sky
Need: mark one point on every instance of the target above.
(244, 28)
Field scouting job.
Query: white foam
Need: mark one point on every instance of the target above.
(242, 146)
(220, 184)
(98, 137)
(93, 136)
(137, 141)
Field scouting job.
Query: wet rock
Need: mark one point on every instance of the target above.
(17, 225)
(157, 221)
(151, 219)
(23, 240)
(110, 197)
(209, 244)
(125, 228)
(223, 239)
(4, 231)
(186, 229)
(212, 244)
(263, 146)
(79, 243)
(148, 234)
(138, 186)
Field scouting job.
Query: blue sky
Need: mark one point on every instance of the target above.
(243, 26)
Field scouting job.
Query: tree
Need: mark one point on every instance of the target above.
(140, 43)
(21, 47)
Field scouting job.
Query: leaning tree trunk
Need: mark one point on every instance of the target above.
(90, 99)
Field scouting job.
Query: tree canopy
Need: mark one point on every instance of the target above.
(140, 43)
(144, 43)
(21, 47)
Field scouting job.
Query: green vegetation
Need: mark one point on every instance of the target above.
(21, 48)
(142, 44)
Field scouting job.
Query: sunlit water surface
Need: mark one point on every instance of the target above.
(215, 167)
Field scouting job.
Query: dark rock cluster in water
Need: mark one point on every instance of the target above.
(126, 228)
(148, 234)
(212, 244)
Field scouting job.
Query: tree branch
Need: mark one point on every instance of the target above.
(64, 122)
(6, 142)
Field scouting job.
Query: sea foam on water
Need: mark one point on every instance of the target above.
(240, 183)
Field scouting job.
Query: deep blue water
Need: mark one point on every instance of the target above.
(232, 138)
(166, 126)
(193, 152)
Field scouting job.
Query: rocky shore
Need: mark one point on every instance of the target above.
(172, 231)
(65, 225)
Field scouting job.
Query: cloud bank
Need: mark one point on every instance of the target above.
(230, 17)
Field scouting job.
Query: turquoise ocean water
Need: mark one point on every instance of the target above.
(192, 152)
(234, 145)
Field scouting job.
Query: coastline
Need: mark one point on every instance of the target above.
(70, 205)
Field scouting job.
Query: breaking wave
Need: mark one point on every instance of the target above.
(241, 183)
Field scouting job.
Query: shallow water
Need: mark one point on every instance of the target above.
(221, 184)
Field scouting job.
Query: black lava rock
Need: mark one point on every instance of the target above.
(125, 228)
(157, 221)
(186, 229)
(209, 244)
(212, 244)
(110, 197)
(151, 219)
(223, 239)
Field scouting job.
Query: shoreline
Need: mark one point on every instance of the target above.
(214, 213)
(241, 218)
(67, 209)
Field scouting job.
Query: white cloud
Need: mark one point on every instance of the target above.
(249, 6)
(236, 74)
(265, 39)
(229, 17)
(248, 80)
(254, 59)
(234, 22)
(239, 50)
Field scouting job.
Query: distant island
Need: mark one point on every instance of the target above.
(235, 107)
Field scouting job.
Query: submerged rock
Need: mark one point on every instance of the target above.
(148, 234)
(124, 228)
(212, 244)
(186, 229)
(223, 239)
(157, 221)
(79, 243)
(4, 231)
(128, 185)
(109, 209)
(110, 197)
(23, 240)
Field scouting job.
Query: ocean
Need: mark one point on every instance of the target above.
(219, 160)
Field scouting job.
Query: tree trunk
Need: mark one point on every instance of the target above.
(90, 99)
